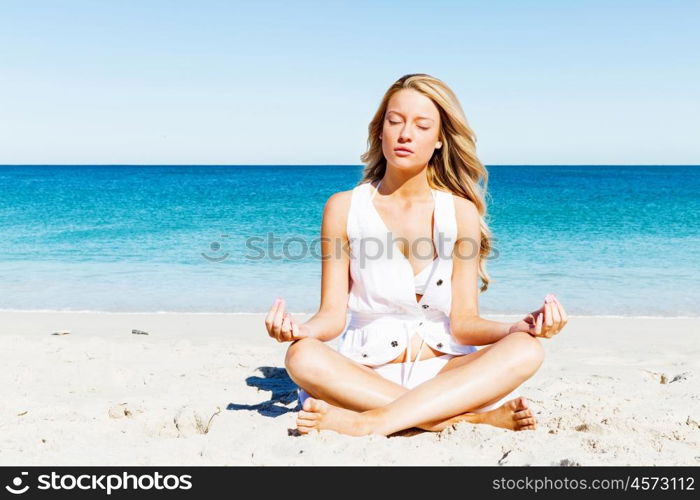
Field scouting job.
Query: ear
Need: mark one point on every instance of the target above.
(438, 145)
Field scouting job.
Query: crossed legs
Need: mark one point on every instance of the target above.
(353, 399)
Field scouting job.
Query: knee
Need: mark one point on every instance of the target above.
(529, 352)
(302, 356)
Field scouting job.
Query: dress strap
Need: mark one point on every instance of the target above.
(374, 192)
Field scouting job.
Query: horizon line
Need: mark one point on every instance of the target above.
(334, 165)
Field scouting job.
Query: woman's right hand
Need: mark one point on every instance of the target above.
(281, 326)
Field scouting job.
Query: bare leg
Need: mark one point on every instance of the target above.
(326, 374)
(344, 384)
(456, 390)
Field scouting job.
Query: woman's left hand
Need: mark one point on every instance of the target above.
(545, 322)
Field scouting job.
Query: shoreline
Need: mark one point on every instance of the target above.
(303, 313)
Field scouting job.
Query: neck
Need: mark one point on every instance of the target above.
(414, 187)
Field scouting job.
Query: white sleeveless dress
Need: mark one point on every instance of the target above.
(384, 313)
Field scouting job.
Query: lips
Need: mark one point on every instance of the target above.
(402, 150)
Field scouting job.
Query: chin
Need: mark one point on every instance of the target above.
(408, 161)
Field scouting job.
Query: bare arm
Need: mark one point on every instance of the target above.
(329, 321)
(468, 327)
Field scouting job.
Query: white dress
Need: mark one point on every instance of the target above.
(384, 313)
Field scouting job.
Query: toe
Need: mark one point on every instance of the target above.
(307, 414)
(522, 414)
(526, 428)
(304, 430)
(318, 405)
(525, 422)
(517, 404)
(310, 404)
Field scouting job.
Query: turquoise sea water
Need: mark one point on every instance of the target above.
(608, 240)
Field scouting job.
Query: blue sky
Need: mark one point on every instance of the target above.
(224, 82)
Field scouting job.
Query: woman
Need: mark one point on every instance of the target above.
(407, 357)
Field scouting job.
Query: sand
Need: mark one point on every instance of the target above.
(204, 389)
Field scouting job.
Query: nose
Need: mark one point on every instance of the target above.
(405, 134)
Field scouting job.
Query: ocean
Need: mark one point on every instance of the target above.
(607, 240)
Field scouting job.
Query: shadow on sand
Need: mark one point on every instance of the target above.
(283, 393)
(284, 398)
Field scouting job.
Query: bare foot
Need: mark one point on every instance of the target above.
(318, 415)
(514, 415)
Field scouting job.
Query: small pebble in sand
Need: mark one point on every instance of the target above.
(138, 332)
(119, 411)
(61, 332)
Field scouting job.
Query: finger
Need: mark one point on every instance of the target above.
(285, 329)
(292, 328)
(562, 312)
(533, 326)
(556, 317)
(277, 321)
(271, 316)
(538, 324)
(289, 335)
(271, 312)
(548, 321)
(295, 329)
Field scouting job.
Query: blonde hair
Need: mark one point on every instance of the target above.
(454, 167)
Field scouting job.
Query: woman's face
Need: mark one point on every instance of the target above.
(411, 122)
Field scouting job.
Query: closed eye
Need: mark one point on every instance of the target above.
(396, 123)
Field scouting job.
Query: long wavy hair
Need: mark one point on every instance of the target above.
(454, 167)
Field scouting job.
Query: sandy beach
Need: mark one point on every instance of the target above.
(203, 389)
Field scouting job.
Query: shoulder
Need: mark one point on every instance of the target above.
(467, 215)
(338, 202)
(336, 210)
